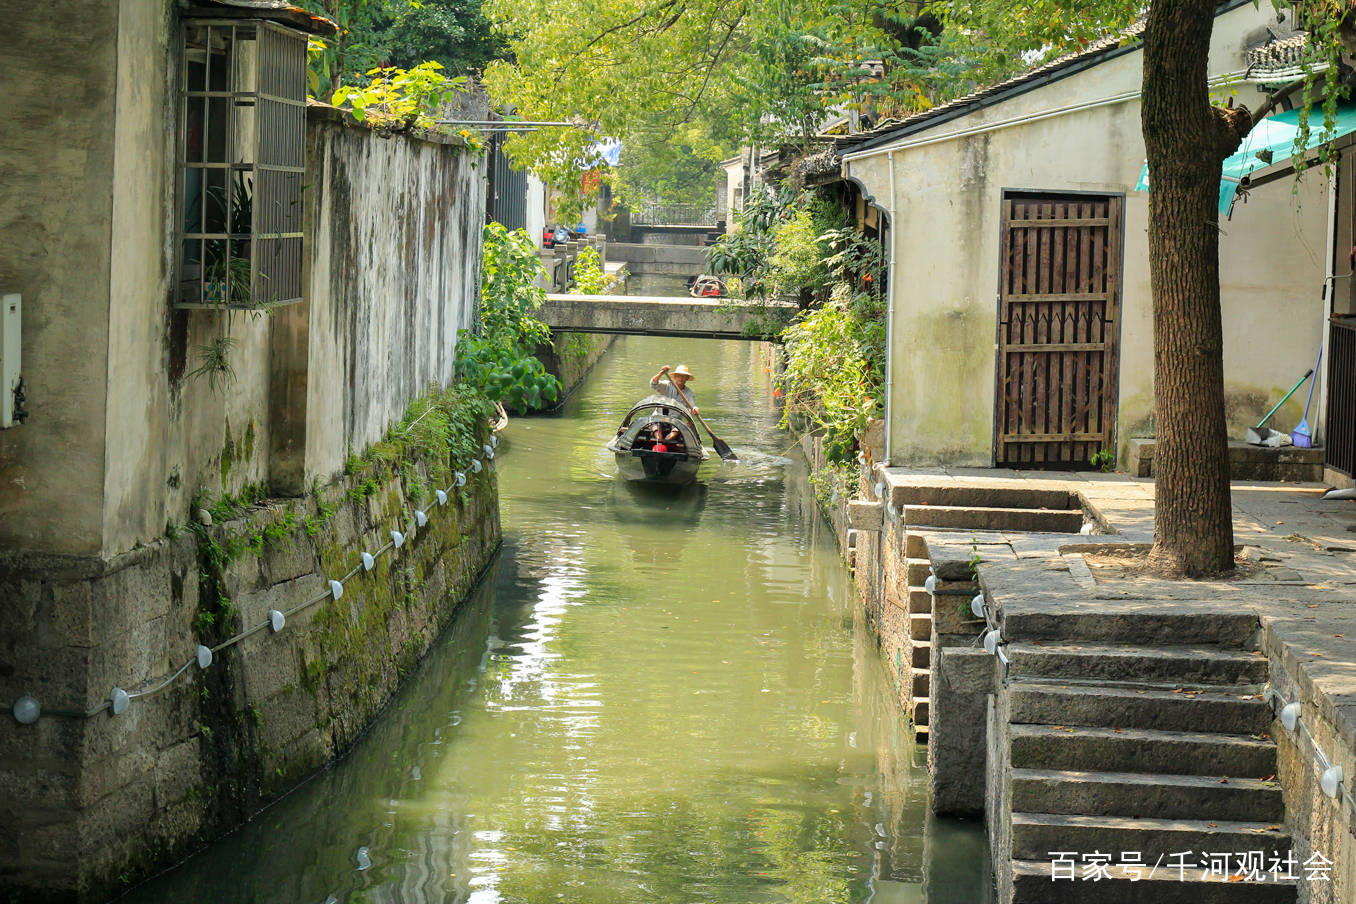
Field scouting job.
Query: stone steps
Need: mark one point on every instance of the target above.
(1099, 621)
(1032, 885)
(920, 626)
(1036, 835)
(1228, 710)
(952, 495)
(919, 600)
(1185, 665)
(1062, 521)
(920, 710)
(1137, 794)
(1140, 750)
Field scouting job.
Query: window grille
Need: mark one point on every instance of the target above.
(242, 158)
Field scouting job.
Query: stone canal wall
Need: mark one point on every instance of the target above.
(570, 357)
(93, 803)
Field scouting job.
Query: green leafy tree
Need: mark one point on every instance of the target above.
(455, 33)
(375, 34)
(769, 72)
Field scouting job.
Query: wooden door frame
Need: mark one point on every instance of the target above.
(1003, 194)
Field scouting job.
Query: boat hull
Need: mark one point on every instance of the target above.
(674, 468)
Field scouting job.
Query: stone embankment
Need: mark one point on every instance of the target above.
(199, 750)
(1112, 726)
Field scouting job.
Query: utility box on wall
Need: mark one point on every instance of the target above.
(11, 363)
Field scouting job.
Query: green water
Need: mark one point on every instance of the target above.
(655, 698)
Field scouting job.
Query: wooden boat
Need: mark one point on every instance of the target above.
(676, 462)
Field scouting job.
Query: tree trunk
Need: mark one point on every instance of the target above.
(1186, 140)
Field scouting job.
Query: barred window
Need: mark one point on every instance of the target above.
(242, 158)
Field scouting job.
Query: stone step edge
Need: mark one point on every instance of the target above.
(1161, 651)
(1261, 830)
(1147, 735)
(1130, 684)
(1161, 778)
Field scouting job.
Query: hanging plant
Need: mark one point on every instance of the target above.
(215, 363)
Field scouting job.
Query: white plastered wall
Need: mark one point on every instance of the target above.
(946, 210)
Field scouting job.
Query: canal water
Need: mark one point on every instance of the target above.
(654, 698)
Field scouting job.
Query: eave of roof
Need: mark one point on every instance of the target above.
(279, 11)
(1096, 53)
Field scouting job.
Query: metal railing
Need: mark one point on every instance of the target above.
(661, 214)
(1340, 445)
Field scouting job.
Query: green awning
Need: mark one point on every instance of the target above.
(1274, 140)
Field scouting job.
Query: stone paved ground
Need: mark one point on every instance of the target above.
(1302, 584)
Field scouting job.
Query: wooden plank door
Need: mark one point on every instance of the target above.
(1058, 323)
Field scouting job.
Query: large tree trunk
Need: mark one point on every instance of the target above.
(1187, 139)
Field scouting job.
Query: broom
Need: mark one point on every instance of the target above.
(1302, 436)
(1257, 436)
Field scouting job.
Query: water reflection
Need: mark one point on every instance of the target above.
(656, 697)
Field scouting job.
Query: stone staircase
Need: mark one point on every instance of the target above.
(1117, 742)
(933, 507)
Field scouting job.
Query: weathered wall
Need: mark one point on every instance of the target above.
(56, 172)
(571, 356)
(90, 804)
(395, 228)
(947, 241)
(101, 585)
(1320, 825)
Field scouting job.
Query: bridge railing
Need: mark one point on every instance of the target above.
(661, 214)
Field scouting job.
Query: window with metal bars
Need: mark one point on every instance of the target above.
(242, 158)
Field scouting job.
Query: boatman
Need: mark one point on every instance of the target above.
(677, 389)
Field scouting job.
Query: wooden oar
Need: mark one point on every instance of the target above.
(722, 448)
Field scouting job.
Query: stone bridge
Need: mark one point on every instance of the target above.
(654, 315)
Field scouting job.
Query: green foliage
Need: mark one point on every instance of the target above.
(500, 360)
(401, 33)
(796, 266)
(215, 363)
(398, 98)
(1104, 460)
(678, 166)
(590, 278)
(693, 79)
(455, 33)
(835, 369)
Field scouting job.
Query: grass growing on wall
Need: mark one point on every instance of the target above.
(440, 433)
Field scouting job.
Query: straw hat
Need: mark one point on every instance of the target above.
(682, 371)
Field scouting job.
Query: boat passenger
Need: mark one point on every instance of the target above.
(669, 440)
(677, 389)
